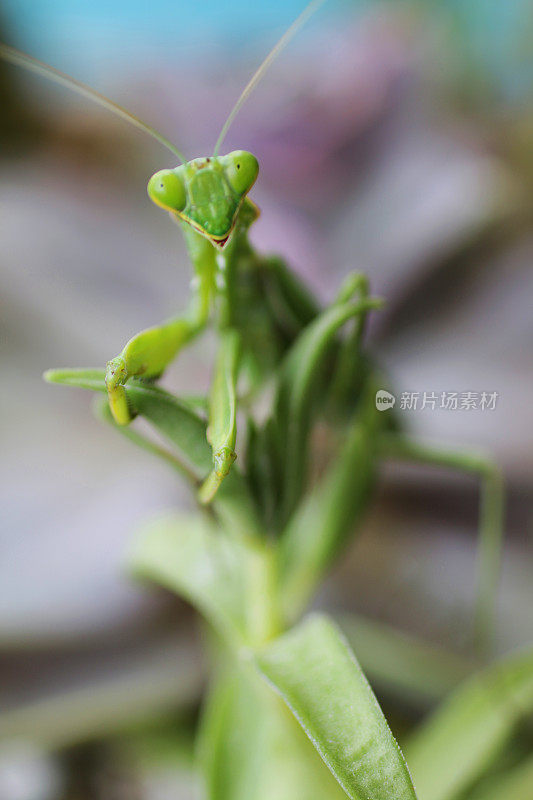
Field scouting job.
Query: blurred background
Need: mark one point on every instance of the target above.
(394, 138)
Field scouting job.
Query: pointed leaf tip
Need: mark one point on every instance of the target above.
(92, 379)
(317, 675)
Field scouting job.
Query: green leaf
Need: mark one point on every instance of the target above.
(262, 469)
(317, 675)
(461, 739)
(92, 379)
(188, 555)
(322, 523)
(186, 430)
(174, 419)
(296, 396)
(292, 304)
(103, 413)
(125, 691)
(252, 747)
(516, 784)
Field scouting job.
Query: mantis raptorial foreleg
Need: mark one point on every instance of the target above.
(148, 353)
(491, 515)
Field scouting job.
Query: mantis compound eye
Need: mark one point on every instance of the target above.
(167, 190)
(241, 170)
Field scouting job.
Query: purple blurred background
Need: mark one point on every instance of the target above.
(394, 139)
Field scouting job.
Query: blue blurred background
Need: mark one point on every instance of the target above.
(393, 137)
(79, 36)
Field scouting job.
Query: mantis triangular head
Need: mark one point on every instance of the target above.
(207, 193)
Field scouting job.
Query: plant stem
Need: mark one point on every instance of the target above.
(264, 620)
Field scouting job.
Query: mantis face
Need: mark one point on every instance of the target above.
(206, 192)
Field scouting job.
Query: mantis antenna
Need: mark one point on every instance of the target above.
(289, 34)
(14, 56)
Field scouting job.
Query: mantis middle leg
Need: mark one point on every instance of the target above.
(222, 430)
(491, 516)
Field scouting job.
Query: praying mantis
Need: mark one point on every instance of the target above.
(259, 309)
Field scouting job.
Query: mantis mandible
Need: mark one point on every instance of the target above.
(208, 198)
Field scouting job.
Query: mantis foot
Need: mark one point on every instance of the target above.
(222, 461)
(115, 378)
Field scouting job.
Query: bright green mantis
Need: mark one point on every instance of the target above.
(260, 309)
